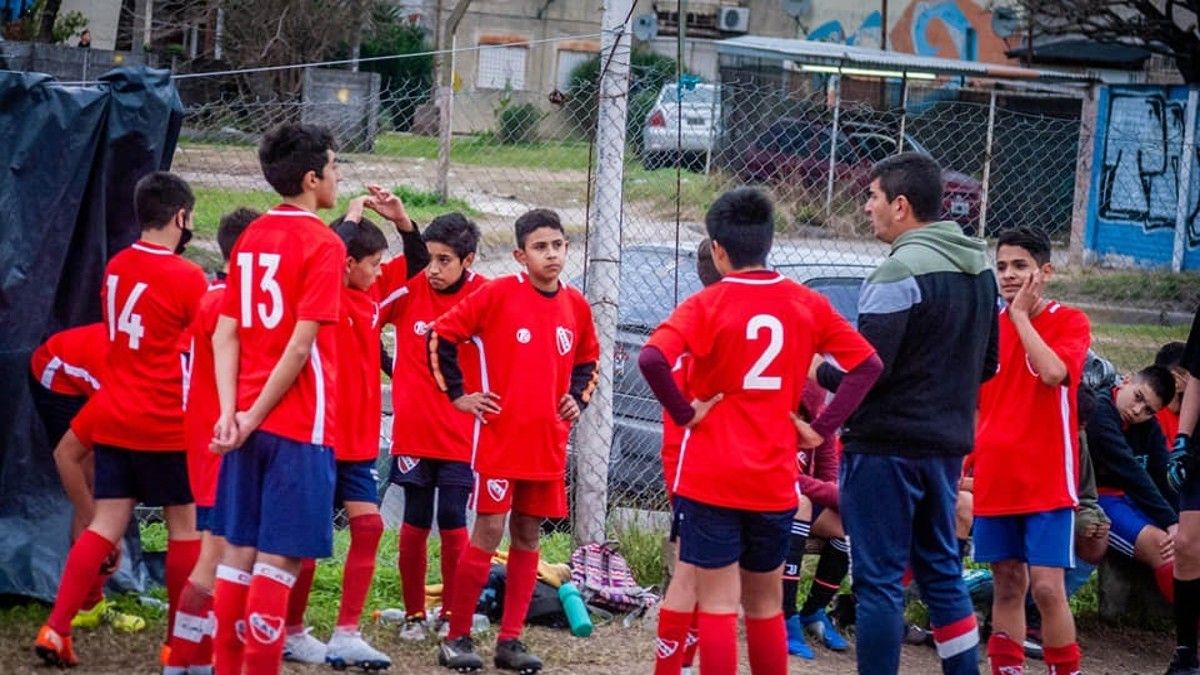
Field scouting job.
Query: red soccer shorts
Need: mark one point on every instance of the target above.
(541, 498)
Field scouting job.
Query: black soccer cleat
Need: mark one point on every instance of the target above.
(459, 655)
(514, 655)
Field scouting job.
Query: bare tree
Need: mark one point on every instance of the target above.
(1167, 27)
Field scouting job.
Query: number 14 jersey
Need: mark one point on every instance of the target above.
(752, 337)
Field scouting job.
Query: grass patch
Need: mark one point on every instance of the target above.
(1146, 289)
(154, 537)
(658, 187)
(1132, 347)
(484, 150)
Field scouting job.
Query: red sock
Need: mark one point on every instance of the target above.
(718, 644)
(671, 642)
(454, 542)
(192, 628)
(907, 578)
(365, 531)
(229, 605)
(181, 558)
(520, 578)
(693, 638)
(1063, 660)
(266, 606)
(413, 561)
(469, 580)
(80, 572)
(1006, 655)
(96, 593)
(298, 598)
(766, 643)
(1164, 575)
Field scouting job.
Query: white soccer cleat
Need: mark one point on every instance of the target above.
(413, 630)
(304, 648)
(348, 649)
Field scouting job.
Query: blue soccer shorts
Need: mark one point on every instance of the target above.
(276, 495)
(204, 516)
(1043, 539)
(1128, 521)
(712, 537)
(150, 478)
(356, 482)
(422, 472)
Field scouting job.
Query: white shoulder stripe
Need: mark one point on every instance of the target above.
(394, 296)
(152, 251)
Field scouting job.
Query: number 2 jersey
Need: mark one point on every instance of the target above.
(149, 297)
(287, 267)
(751, 337)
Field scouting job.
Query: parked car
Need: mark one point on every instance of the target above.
(650, 274)
(688, 121)
(796, 150)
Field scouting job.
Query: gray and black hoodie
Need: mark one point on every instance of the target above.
(930, 311)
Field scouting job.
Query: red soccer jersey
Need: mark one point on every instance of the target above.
(83, 424)
(358, 378)
(201, 406)
(71, 362)
(287, 267)
(528, 345)
(149, 298)
(1026, 454)
(425, 424)
(672, 436)
(753, 336)
(1169, 422)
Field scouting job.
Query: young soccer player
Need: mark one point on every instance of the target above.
(275, 354)
(678, 631)
(431, 440)
(752, 337)
(1185, 478)
(1026, 457)
(191, 637)
(1170, 356)
(1130, 456)
(538, 359)
(149, 297)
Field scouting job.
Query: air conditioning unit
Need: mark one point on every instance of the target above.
(733, 19)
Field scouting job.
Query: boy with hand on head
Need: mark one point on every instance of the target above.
(431, 440)
(538, 358)
(276, 366)
(1026, 457)
(149, 297)
(191, 637)
(752, 337)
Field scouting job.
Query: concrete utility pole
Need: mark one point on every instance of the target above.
(593, 436)
(446, 96)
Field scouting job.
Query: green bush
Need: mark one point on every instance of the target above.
(648, 72)
(405, 83)
(518, 123)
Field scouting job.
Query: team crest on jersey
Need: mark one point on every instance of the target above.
(265, 629)
(406, 463)
(420, 328)
(497, 488)
(1012, 670)
(564, 339)
(239, 629)
(665, 648)
(524, 336)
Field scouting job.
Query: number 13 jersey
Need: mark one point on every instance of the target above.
(752, 337)
(287, 267)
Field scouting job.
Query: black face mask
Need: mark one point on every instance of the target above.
(184, 238)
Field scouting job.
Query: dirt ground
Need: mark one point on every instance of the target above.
(611, 650)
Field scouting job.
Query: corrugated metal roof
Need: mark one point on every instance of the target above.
(833, 54)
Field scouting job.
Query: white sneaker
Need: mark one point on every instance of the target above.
(348, 649)
(304, 648)
(413, 630)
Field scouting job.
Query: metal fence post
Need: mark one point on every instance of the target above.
(833, 136)
(903, 114)
(1083, 174)
(1188, 155)
(604, 254)
(987, 165)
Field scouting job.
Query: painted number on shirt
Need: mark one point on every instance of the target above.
(269, 262)
(755, 378)
(128, 322)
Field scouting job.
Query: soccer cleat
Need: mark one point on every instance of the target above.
(348, 649)
(304, 648)
(54, 649)
(514, 655)
(797, 645)
(818, 624)
(89, 619)
(107, 612)
(164, 655)
(1033, 644)
(1183, 662)
(414, 629)
(459, 655)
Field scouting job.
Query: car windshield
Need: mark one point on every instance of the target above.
(648, 280)
(701, 95)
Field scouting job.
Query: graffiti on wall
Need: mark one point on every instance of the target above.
(953, 29)
(866, 34)
(1142, 162)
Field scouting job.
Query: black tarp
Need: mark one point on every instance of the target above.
(69, 156)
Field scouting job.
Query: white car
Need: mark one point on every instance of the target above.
(689, 122)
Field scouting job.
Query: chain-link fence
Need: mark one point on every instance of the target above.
(1009, 158)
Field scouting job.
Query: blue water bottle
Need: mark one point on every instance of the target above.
(576, 611)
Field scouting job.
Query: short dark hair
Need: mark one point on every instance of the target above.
(455, 230)
(290, 151)
(705, 268)
(742, 221)
(1170, 355)
(1033, 240)
(362, 237)
(232, 225)
(536, 219)
(918, 177)
(1160, 381)
(158, 196)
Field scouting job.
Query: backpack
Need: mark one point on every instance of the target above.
(1099, 373)
(545, 609)
(604, 580)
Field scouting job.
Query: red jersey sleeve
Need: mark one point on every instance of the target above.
(190, 290)
(392, 290)
(684, 331)
(1071, 344)
(838, 338)
(321, 285)
(587, 349)
(465, 319)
